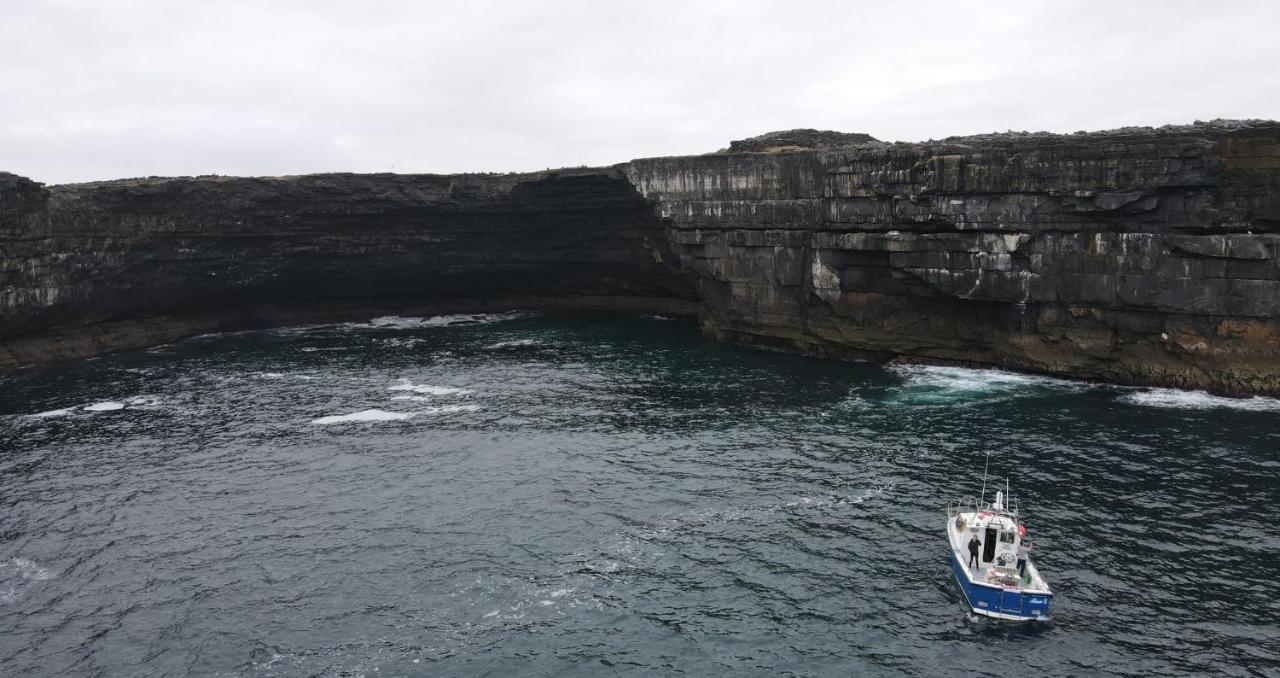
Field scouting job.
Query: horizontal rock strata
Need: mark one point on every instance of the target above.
(1141, 256)
(88, 267)
(1138, 256)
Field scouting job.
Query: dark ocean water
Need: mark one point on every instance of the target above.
(591, 495)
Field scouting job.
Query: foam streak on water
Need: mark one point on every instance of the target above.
(539, 495)
(363, 416)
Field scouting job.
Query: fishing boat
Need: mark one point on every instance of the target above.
(999, 580)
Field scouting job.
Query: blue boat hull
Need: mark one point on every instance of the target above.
(994, 601)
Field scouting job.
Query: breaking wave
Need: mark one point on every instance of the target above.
(931, 384)
(1199, 400)
(396, 322)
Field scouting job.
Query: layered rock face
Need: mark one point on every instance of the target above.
(1142, 256)
(1139, 256)
(91, 267)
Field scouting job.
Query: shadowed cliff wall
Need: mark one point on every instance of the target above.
(91, 267)
(1143, 256)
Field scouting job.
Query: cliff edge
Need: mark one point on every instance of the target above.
(1139, 255)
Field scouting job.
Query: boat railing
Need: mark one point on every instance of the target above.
(972, 505)
(958, 506)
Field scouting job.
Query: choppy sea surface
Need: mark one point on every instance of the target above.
(523, 494)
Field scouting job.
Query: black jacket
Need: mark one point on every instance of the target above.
(973, 545)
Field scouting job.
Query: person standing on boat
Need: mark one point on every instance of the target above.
(974, 545)
(1023, 547)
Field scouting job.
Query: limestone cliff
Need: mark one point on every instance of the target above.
(92, 267)
(1144, 256)
(1139, 256)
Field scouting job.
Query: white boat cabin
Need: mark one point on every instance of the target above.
(1003, 559)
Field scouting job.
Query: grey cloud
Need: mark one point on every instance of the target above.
(97, 90)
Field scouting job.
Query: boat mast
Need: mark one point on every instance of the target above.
(984, 477)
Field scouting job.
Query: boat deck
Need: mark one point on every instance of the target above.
(992, 574)
(1006, 577)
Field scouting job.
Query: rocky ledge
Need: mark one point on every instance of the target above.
(801, 139)
(1140, 256)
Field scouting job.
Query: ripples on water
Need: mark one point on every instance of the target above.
(588, 495)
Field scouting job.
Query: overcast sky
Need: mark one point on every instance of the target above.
(98, 89)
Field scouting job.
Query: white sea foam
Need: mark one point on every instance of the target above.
(294, 330)
(396, 322)
(513, 344)
(446, 409)
(364, 416)
(106, 406)
(708, 519)
(28, 569)
(971, 379)
(929, 384)
(401, 342)
(502, 600)
(1199, 400)
(16, 575)
(426, 389)
(52, 413)
(829, 501)
(441, 409)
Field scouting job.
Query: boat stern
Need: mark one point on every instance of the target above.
(999, 602)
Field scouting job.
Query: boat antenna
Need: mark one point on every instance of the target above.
(984, 477)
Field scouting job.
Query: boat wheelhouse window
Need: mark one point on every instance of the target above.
(1006, 537)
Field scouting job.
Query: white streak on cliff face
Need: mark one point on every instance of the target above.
(826, 279)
